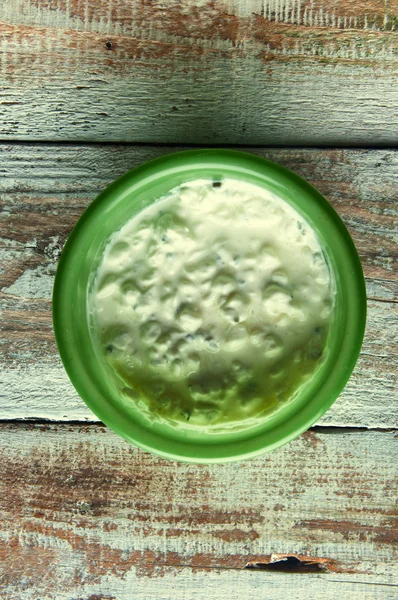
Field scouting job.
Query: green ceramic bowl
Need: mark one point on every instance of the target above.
(81, 256)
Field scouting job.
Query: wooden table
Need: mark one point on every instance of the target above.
(90, 89)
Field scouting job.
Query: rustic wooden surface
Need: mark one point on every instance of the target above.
(84, 515)
(45, 190)
(210, 71)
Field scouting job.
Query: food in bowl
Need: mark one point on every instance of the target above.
(243, 385)
(212, 305)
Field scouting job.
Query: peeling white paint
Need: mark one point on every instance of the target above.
(186, 584)
(33, 283)
(42, 391)
(273, 100)
(325, 495)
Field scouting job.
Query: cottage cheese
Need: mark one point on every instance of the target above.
(213, 304)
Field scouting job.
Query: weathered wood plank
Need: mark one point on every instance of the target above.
(233, 71)
(84, 512)
(175, 583)
(44, 189)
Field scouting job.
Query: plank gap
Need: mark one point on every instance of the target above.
(385, 300)
(324, 429)
(187, 145)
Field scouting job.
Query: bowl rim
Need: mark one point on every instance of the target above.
(350, 272)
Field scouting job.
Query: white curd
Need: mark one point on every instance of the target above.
(213, 304)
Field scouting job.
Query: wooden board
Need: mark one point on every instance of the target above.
(183, 584)
(314, 72)
(45, 190)
(83, 512)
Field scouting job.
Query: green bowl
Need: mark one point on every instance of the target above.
(82, 254)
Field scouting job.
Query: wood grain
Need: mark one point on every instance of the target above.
(215, 71)
(44, 189)
(175, 583)
(84, 512)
